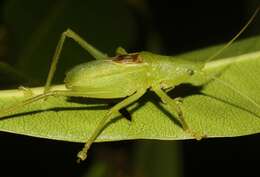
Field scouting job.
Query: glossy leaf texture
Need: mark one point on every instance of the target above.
(212, 109)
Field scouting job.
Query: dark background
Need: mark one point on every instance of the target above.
(178, 26)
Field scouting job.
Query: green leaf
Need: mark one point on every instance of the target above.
(215, 110)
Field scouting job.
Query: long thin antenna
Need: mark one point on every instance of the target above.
(235, 37)
(237, 91)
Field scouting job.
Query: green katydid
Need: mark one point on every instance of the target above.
(132, 74)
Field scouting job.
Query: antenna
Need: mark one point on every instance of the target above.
(235, 37)
(237, 91)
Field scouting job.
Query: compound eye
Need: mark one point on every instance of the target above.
(190, 72)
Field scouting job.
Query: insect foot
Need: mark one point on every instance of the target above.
(179, 100)
(196, 135)
(27, 92)
(82, 155)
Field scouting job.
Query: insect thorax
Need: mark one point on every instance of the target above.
(170, 70)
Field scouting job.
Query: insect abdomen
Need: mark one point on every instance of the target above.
(106, 78)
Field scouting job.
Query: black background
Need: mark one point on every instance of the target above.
(183, 26)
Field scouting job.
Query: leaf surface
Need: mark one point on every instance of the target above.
(214, 109)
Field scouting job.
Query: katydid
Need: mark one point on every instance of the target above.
(128, 76)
